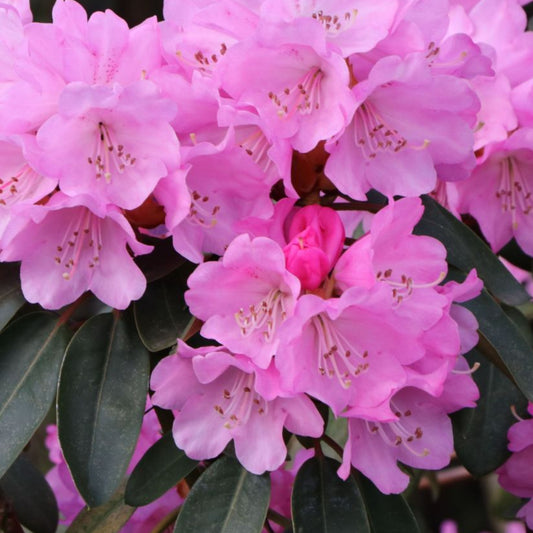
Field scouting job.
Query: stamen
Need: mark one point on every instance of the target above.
(404, 288)
(200, 213)
(336, 356)
(81, 241)
(513, 190)
(107, 158)
(237, 404)
(475, 366)
(373, 135)
(264, 316)
(303, 98)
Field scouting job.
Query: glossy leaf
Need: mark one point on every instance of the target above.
(108, 518)
(31, 350)
(226, 499)
(161, 467)
(387, 513)
(324, 503)
(30, 496)
(466, 251)
(504, 338)
(11, 297)
(101, 401)
(162, 315)
(480, 434)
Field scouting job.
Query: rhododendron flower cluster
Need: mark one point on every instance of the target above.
(281, 146)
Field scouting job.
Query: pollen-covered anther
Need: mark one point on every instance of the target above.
(108, 158)
(513, 190)
(336, 357)
(373, 135)
(403, 286)
(334, 23)
(264, 316)
(81, 235)
(303, 97)
(200, 212)
(238, 404)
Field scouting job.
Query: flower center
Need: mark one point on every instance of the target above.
(82, 239)
(513, 190)
(335, 24)
(19, 187)
(403, 285)
(373, 135)
(336, 356)
(256, 145)
(264, 316)
(401, 432)
(108, 158)
(238, 402)
(303, 97)
(200, 212)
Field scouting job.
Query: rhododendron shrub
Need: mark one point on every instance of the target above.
(278, 220)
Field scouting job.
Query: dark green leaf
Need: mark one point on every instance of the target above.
(108, 518)
(163, 260)
(505, 344)
(466, 251)
(31, 350)
(101, 401)
(161, 314)
(387, 513)
(31, 497)
(226, 499)
(324, 503)
(161, 467)
(481, 434)
(11, 297)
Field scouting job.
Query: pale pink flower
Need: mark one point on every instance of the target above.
(72, 245)
(244, 297)
(218, 397)
(112, 143)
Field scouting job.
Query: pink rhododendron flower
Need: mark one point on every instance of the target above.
(72, 245)
(498, 194)
(346, 351)
(112, 143)
(516, 473)
(225, 187)
(354, 27)
(228, 398)
(244, 297)
(297, 84)
(419, 434)
(391, 145)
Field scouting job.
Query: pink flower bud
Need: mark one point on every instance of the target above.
(316, 237)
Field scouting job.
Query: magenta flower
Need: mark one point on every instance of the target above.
(72, 245)
(244, 297)
(226, 397)
(316, 237)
